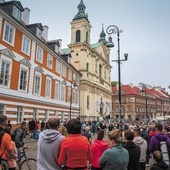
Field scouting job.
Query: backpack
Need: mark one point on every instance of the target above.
(13, 134)
(2, 132)
(164, 151)
(163, 148)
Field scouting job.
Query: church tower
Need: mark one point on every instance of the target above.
(92, 61)
(80, 26)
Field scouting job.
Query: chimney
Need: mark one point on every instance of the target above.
(25, 16)
(45, 32)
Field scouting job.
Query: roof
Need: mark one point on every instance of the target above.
(16, 3)
(39, 25)
(67, 50)
(81, 12)
(134, 90)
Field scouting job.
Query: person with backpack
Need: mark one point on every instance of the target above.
(6, 148)
(155, 141)
(19, 138)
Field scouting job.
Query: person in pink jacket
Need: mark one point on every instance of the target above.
(97, 149)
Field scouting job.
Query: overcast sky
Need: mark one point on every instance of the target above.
(145, 37)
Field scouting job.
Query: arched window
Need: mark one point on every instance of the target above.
(87, 37)
(88, 102)
(78, 36)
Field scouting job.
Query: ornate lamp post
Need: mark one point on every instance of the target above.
(113, 29)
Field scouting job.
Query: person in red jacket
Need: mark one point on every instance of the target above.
(75, 148)
(97, 149)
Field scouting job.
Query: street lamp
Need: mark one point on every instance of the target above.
(113, 29)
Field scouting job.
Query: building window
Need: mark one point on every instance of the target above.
(88, 102)
(49, 61)
(78, 35)
(26, 43)
(5, 73)
(39, 54)
(70, 75)
(20, 110)
(58, 67)
(57, 90)
(87, 67)
(129, 108)
(16, 13)
(100, 70)
(105, 73)
(48, 87)
(96, 66)
(63, 70)
(9, 34)
(63, 92)
(1, 109)
(23, 79)
(87, 37)
(37, 84)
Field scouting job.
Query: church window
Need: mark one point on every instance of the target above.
(87, 37)
(78, 36)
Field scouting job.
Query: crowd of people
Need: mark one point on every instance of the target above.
(71, 144)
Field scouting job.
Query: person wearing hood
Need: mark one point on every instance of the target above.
(138, 140)
(49, 146)
(133, 150)
(97, 149)
(157, 138)
(159, 164)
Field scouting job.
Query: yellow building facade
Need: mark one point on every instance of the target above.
(93, 62)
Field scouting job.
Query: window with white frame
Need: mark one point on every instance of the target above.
(5, 73)
(49, 61)
(39, 54)
(20, 114)
(1, 109)
(70, 75)
(9, 34)
(58, 66)
(16, 13)
(63, 92)
(23, 79)
(48, 87)
(37, 84)
(63, 70)
(26, 43)
(57, 90)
